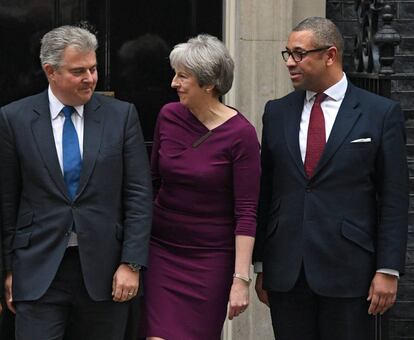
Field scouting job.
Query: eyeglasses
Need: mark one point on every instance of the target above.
(299, 55)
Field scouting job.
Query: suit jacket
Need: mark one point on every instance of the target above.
(351, 217)
(112, 207)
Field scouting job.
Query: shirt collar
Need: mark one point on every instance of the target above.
(335, 92)
(56, 106)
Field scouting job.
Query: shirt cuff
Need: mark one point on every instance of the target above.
(258, 267)
(389, 272)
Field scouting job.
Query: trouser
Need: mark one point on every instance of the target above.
(301, 314)
(67, 312)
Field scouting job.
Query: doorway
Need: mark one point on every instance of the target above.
(135, 38)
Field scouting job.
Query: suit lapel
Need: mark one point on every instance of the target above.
(292, 119)
(91, 140)
(43, 136)
(346, 118)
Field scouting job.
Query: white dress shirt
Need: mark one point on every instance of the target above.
(330, 107)
(58, 119)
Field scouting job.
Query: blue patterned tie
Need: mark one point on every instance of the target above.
(72, 162)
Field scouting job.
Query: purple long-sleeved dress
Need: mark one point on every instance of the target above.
(209, 186)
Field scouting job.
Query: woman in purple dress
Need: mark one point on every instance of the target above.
(205, 160)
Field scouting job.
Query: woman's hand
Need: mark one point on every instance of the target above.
(239, 298)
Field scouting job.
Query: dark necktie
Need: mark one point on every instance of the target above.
(316, 135)
(72, 162)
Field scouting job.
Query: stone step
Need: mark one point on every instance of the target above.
(409, 118)
(410, 163)
(410, 240)
(403, 310)
(401, 85)
(410, 151)
(404, 64)
(411, 222)
(405, 291)
(410, 134)
(399, 329)
(409, 123)
(411, 206)
(404, 98)
(409, 270)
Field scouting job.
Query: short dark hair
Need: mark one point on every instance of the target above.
(326, 33)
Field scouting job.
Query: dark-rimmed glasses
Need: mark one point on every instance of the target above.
(299, 55)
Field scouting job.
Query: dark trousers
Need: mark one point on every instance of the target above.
(300, 314)
(132, 327)
(67, 312)
(6, 324)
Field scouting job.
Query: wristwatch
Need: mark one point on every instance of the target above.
(134, 267)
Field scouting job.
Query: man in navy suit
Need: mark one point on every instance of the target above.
(76, 200)
(332, 226)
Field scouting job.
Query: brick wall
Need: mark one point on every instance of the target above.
(401, 317)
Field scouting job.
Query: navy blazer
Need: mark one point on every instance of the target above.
(351, 217)
(112, 207)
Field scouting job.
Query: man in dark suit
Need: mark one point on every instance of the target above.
(332, 226)
(76, 200)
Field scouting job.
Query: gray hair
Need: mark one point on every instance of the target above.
(325, 32)
(55, 41)
(207, 59)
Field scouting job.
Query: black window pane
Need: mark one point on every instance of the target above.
(135, 38)
(141, 39)
(22, 24)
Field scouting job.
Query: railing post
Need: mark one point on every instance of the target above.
(387, 38)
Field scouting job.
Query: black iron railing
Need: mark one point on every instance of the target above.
(374, 55)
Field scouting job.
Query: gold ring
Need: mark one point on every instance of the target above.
(130, 294)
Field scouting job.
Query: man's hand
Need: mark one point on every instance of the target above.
(8, 292)
(125, 283)
(261, 293)
(382, 293)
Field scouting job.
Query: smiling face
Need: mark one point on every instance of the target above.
(188, 88)
(312, 72)
(74, 82)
